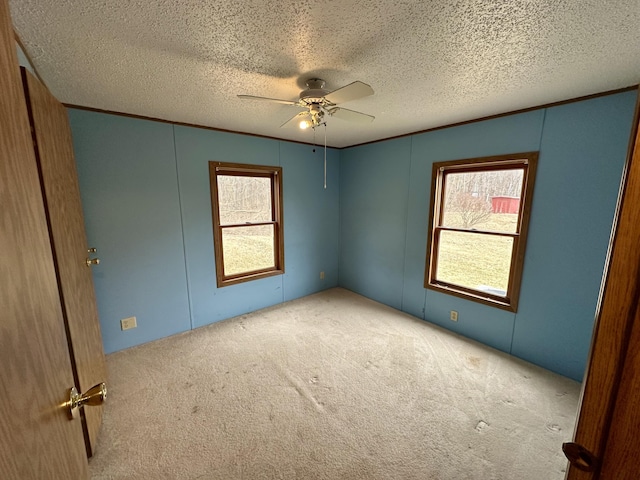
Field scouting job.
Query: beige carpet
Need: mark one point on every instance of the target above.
(331, 386)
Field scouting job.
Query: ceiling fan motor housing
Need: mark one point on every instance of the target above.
(313, 96)
(315, 93)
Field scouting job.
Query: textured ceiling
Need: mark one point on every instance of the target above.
(431, 63)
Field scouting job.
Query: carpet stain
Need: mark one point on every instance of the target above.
(195, 409)
(474, 361)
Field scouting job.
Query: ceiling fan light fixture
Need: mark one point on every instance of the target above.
(318, 102)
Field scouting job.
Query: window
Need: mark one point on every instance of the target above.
(478, 227)
(246, 201)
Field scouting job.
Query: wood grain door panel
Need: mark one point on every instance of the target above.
(54, 153)
(610, 387)
(37, 440)
(621, 459)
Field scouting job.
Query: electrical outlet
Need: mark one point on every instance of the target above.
(453, 315)
(321, 275)
(128, 323)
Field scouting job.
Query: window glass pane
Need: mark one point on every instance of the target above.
(488, 200)
(246, 249)
(244, 199)
(475, 260)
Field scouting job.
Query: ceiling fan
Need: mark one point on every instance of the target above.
(318, 102)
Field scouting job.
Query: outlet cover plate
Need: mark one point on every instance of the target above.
(128, 323)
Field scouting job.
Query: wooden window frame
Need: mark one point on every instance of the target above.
(245, 170)
(529, 162)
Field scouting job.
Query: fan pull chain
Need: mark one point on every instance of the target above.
(325, 156)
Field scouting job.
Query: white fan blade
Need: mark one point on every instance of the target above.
(351, 115)
(353, 91)
(276, 100)
(294, 119)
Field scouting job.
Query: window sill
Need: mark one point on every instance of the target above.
(225, 282)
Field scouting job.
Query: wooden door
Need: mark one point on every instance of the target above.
(59, 179)
(609, 418)
(621, 458)
(37, 440)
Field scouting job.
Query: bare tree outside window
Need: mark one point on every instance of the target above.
(472, 210)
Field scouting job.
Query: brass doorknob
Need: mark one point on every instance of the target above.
(92, 261)
(96, 395)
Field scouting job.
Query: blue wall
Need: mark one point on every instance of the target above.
(373, 219)
(145, 192)
(384, 208)
(147, 207)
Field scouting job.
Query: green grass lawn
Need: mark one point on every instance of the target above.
(245, 253)
(471, 260)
